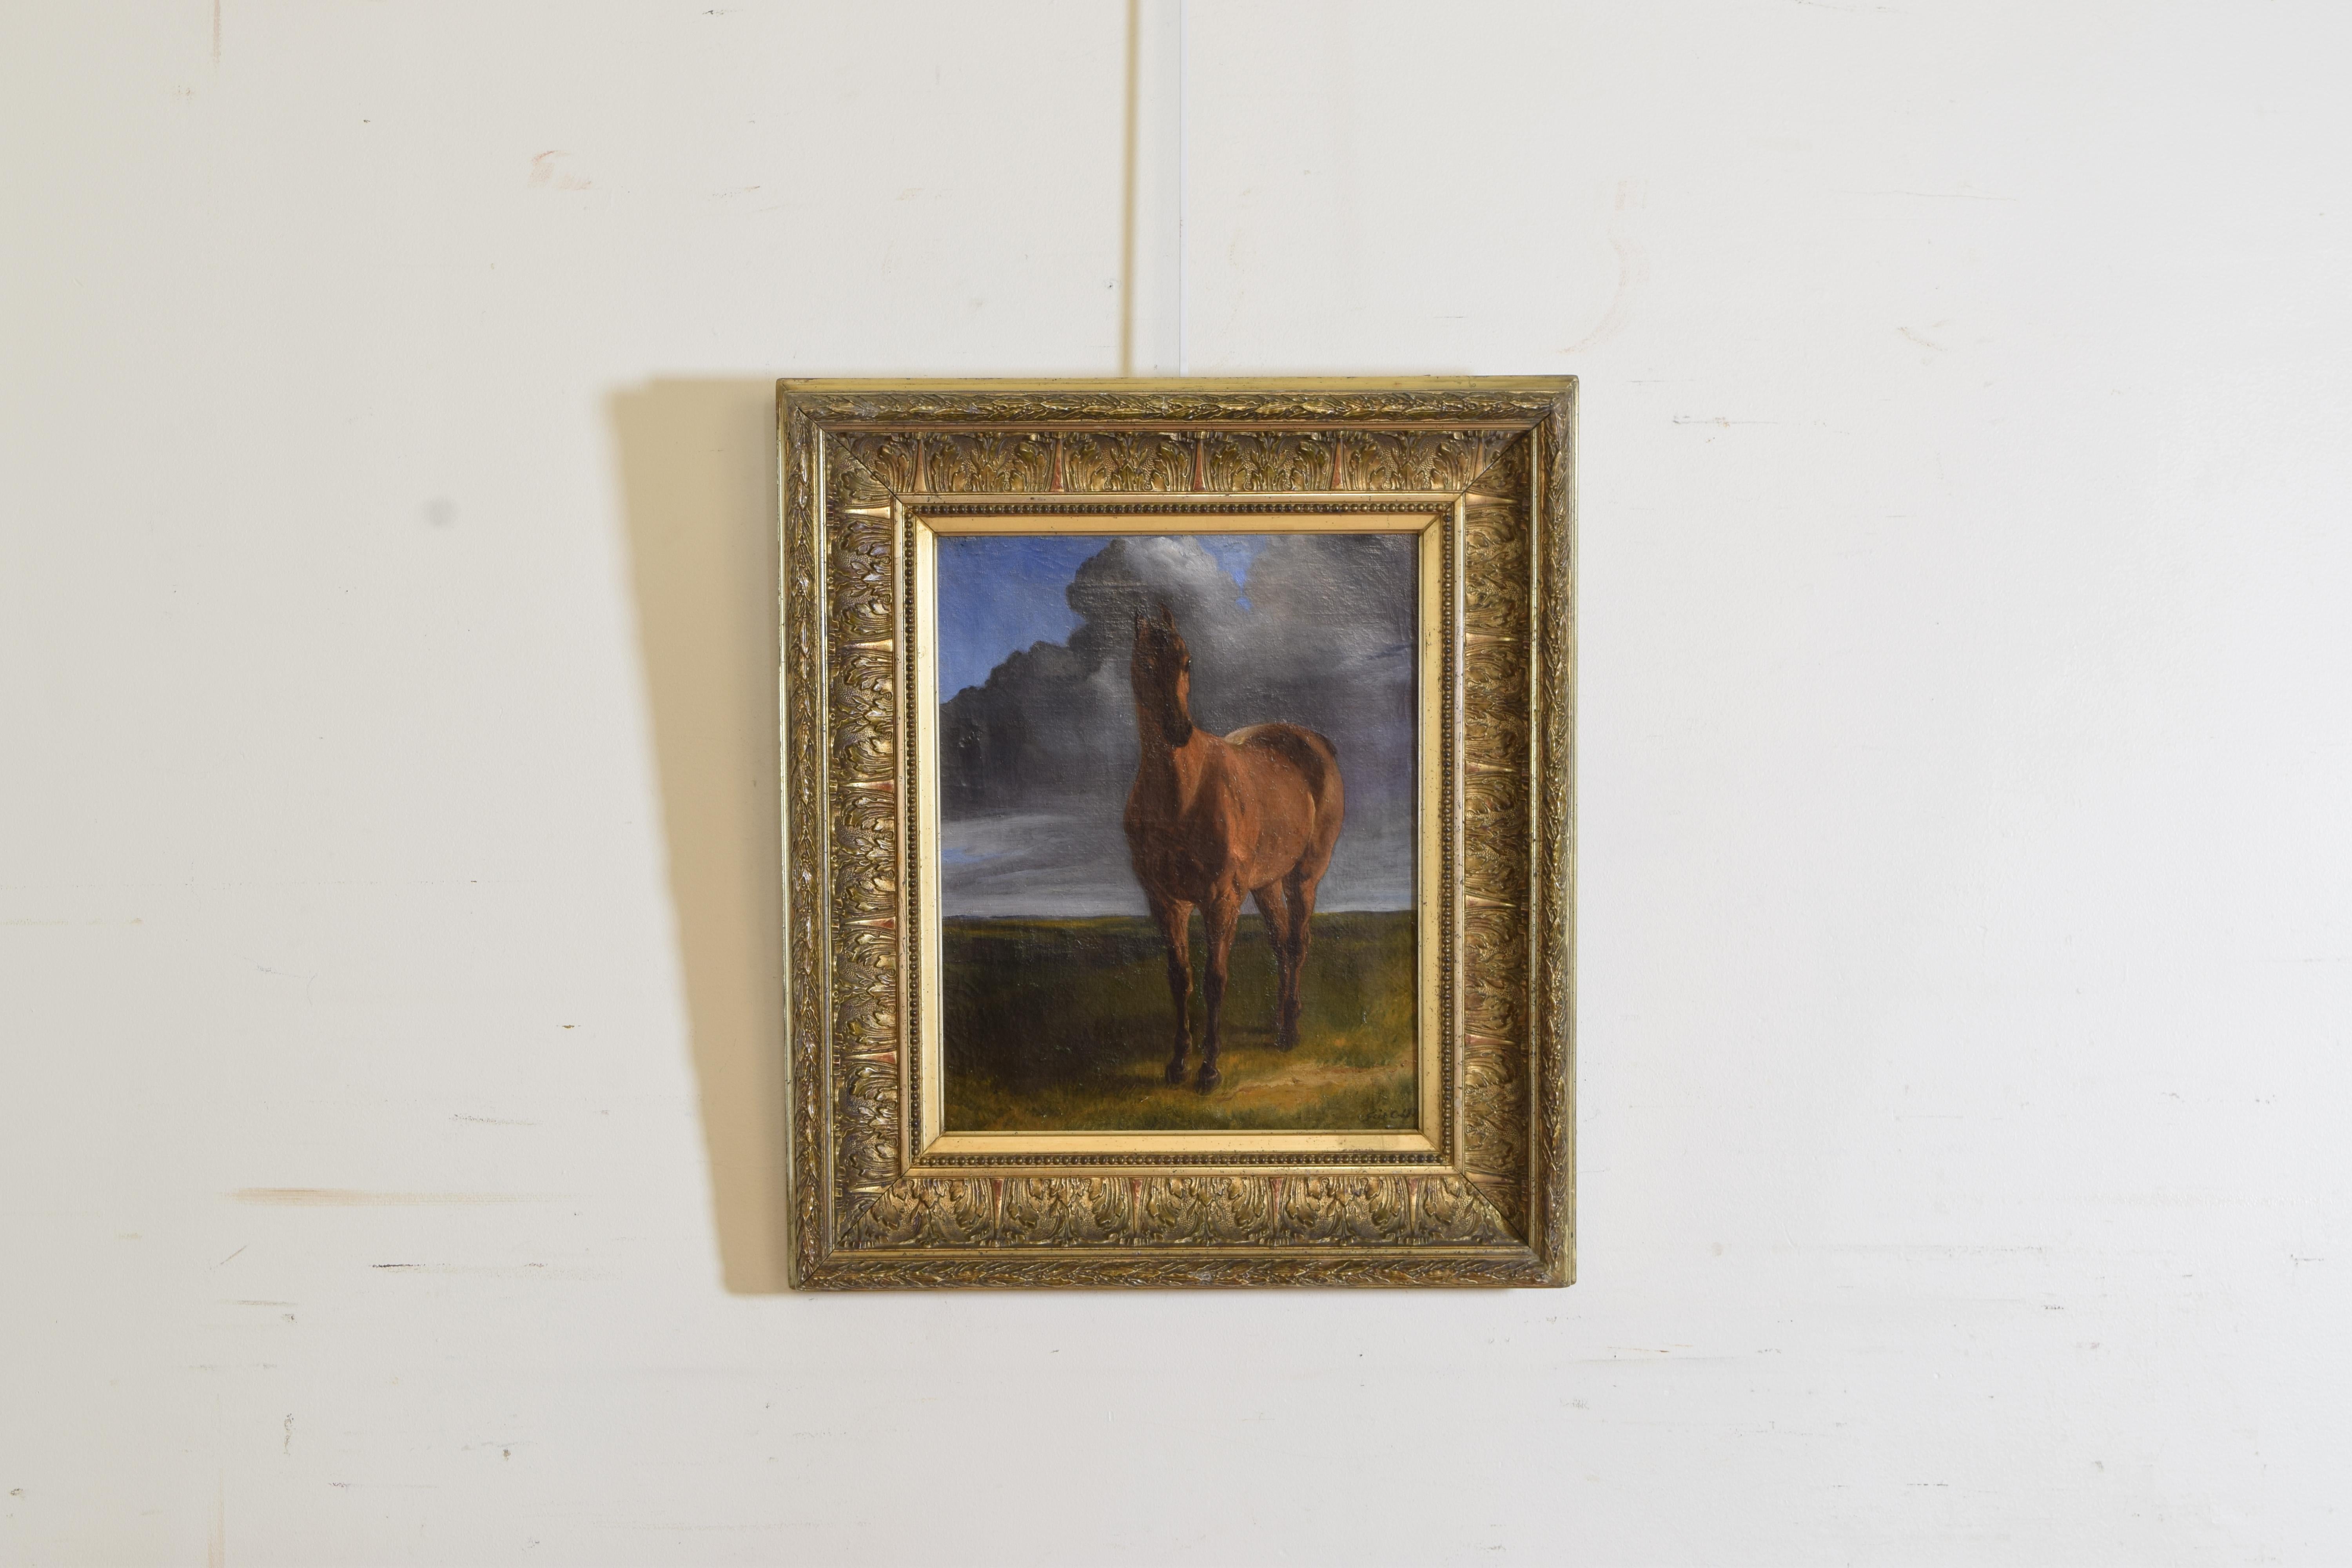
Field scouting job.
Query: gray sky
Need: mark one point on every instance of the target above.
(1036, 760)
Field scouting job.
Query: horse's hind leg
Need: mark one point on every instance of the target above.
(1301, 898)
(1218, 914)
(1174, 919)
(1276, 910)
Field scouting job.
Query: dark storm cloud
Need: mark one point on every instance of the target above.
(1036, 763)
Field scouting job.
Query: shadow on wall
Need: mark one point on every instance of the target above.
(698, 489)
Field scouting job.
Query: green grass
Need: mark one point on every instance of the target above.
(1065, 1026)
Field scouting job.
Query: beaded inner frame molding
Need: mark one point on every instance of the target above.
(1485, 1196)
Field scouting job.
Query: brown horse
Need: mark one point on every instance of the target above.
(1211, 818)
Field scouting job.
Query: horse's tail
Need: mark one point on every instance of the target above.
(1315, 757)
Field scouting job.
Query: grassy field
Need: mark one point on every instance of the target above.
(1065, 1026)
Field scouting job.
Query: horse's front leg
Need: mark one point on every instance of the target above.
(1174, 919)
(1218, 917)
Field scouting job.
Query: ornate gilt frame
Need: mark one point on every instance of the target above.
(869, 469)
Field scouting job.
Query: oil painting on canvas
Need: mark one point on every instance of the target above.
(1177, 798)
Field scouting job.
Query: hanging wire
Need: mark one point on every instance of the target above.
(1182, 52)
(1133, 172)
(1127, 191)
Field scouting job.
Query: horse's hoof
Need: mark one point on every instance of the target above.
(1210, 1077)
(1176, 1072)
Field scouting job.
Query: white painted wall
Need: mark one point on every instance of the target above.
(1965, 764)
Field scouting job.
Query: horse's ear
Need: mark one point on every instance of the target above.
(1166, 616)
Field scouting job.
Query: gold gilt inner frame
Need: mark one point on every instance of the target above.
(1482, 469)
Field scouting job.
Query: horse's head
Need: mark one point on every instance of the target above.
(1161, 670)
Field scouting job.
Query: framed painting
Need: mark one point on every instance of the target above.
(1179, 831)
